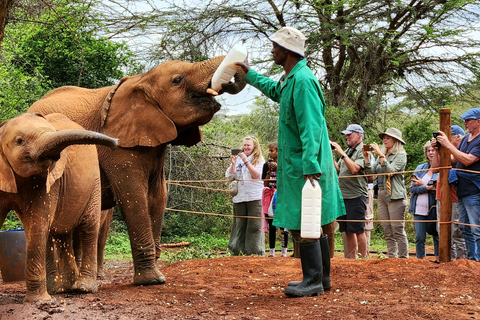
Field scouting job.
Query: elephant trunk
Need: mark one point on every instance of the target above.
(53, 143)
(212, 65)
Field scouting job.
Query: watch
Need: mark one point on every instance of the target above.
(344, 155)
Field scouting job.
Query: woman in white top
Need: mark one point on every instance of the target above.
(246, 236)
(423, 204)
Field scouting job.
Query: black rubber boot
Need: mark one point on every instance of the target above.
(312, 269)
(325, 248)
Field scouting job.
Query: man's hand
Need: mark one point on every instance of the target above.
(244, 65)
(337, 147)
(312, 177)
(444, 141)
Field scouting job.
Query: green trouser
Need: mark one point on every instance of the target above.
(247, 236)
(299, 239)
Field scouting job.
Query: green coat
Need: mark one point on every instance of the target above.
(303, 145)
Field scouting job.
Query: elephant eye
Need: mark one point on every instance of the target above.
(177, 80)
(19, 140)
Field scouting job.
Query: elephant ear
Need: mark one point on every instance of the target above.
(56, 170)
(7, 177)
(134, 119)
(188, 137)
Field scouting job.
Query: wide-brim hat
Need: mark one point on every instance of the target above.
(290, 39)
(394, 133)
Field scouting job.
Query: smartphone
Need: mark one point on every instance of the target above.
(435, 135)
(331, 146)
(432, 182)
(367, 148)
(412, 177)
(236, 152)
(270, 160)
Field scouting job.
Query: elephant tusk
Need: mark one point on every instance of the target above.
(212, 92)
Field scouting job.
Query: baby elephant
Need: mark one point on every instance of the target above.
(49, 174)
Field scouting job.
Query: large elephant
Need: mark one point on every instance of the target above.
(146, 112)
(52, 181)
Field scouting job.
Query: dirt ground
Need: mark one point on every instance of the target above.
(252, 288)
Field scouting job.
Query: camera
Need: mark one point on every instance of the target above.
(435, 135)
(367, 148)
(270, 160)
(236, 152)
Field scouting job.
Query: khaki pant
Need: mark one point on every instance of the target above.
(395, 235)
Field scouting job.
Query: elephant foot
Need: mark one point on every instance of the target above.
(148, 277)
(85, 285)
(34, 297)
(100, 273)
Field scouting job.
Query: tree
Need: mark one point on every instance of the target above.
(362, 51)
(57, 44)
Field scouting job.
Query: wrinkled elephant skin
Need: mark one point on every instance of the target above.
(146, 112)
(49, 174)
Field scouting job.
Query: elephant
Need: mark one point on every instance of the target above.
(105, 221)
(49, 174)
(146, 112)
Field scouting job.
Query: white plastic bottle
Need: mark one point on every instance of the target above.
(311, 211)
(227, 69)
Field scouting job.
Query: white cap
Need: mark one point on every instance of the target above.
(290, 39)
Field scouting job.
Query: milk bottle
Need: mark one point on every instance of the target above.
(311, 211)
(227, 69)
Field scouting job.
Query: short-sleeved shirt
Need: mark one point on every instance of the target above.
(353, 187)
(465, 186)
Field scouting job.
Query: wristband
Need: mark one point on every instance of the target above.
(246, 163)
(344, 155)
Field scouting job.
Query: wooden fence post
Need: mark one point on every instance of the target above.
(445, 236)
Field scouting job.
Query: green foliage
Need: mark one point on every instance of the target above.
(57, 46)
(11, 222)
(417, 133)
(67, 49)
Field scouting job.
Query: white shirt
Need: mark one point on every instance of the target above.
(247, 190)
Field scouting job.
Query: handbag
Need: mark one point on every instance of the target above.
(233, 188)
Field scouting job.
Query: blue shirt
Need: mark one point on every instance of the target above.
(465, 185)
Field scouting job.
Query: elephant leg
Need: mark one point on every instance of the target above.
(35, 272)
(88, 234)
(142, 242)
(51, 265)
(67, 271)
(106, 220)
(130, 182)
(157, 202)
(3, 214)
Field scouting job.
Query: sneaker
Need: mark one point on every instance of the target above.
(272, 253)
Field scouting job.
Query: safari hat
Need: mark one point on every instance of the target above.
(394, 133)
(353, 128)
(290, 39)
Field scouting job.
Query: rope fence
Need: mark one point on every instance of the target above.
(181, 183)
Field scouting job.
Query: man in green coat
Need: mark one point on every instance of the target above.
(304, 153)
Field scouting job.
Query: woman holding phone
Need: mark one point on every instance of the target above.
(392, 195)
(246, 236)
(423, 203)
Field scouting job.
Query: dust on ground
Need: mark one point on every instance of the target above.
(252, 288)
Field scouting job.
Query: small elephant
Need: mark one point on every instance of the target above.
(146, 112)
(51, 178)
